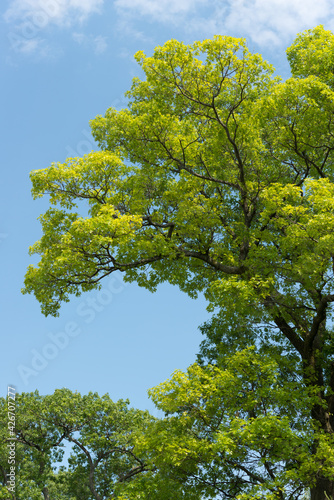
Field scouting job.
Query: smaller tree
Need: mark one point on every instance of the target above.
(102, 433)
(239, 430)
(103, 462)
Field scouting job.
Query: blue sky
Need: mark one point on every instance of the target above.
(62, 63)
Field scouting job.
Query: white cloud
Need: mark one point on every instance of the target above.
(273, 21)
(36, 48)
(98, 43)
(79, 38)
(162, 10)
(43, 12)
(264, 22)
(29, 18)
(29, 46)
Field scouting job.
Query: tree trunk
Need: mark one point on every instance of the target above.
(46, 493)
(324, 487)
(323, 490)
(322, 414)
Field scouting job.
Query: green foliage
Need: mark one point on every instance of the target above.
(102, 434)
(312, 54)
(218, 178)
(237, 431)
(161, 203)
(103, 462)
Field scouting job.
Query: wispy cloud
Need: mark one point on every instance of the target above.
(98, 43)
(33, 46)
(29, 46)
(162, 10)
(43, 12)
(264, 22)
(275, 21)
(28, 20)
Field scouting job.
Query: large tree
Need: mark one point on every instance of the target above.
(218, 177)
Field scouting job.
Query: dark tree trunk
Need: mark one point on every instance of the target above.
(324, 487)
(323, 490)
(314, 374)
(46, 493)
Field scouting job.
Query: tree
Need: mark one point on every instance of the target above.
(45, 423)
(37, 445)
(218, 177)
(102, 463)
(238, 430)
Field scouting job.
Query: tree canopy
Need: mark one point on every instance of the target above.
(98, 435)
(217, 178)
